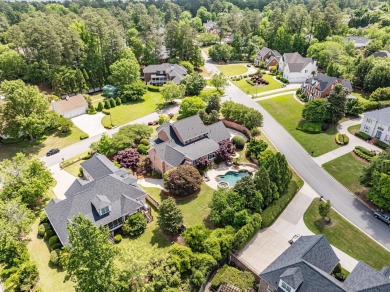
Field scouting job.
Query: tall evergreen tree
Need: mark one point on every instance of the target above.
(337, 103)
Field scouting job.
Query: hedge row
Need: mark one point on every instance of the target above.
(362, 155)
(341, 139)
(153, 88)
(365, 151)
(247, 231)
(281, 78)
(381, 144)
(373, 105)
(363, 135)
(272, 212)
(310, 127)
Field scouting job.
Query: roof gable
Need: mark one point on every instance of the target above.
(98, 166)
(71, 103)
(365, 278)
(189, 128)
(381, 115)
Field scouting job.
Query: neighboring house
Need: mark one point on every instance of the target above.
(358, 42)
(162, 73)
(295, 68)
(321, 85)
(211, 27)
(306, 266)
(381, 54)
(229, 39)
(377, 124)
(71, 106)
(107, 197)
(185, 142)
(163, 51)
(268, 56)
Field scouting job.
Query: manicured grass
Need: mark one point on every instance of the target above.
(249, 89)
(287, 111)
(55, 140)
(354, 129)
(50, 278)
(263, 95)
(361, 97)
(96, 98)
(347, 237)
(195, 208)
(74, 168)
(130, 111)
(346, 170)
(232, 69)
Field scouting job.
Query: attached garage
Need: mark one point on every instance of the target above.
(71, 107)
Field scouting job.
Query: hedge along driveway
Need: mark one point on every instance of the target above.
(133, 110)
(287, 111)
(249, 89)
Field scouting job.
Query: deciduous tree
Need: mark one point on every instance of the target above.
(183, 180)
(219, 81)
(171, 91)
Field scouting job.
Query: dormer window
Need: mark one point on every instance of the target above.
(105, 210)
(102, 204)
(285, 287)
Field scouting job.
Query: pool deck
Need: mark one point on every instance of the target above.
(221, 169)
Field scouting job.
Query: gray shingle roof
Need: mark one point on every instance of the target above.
(175, 71)
(296, 62)
(325, 81)
(117, 189)
(218, 132)
(315, 258)
(381, 54)
(358, 41)
(190, 127)
(292, 277)
(365, 278)
(98, 166)
(381, 115)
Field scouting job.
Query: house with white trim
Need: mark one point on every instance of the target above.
(295, 68)
(377, 124)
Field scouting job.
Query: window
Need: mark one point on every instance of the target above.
(105, 210)
(284, 286)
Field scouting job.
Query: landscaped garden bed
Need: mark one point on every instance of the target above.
(250, 89)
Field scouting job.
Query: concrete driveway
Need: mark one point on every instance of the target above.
(90, 124)
(63, 179)
(271, 242)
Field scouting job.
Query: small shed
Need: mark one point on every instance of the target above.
(110, 91)
(71, 106)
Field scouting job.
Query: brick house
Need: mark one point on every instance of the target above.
(321, 85)
(162, 73)
(268, 56)
(185, 142)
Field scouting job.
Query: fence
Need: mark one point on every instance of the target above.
(152, 201)
(210, 274)
(237, 127)
(241, 264)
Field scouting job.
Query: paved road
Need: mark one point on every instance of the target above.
(83, 146)
(323, 183)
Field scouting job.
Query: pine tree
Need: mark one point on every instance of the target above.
(170, 217)
(337, 103)
(107, 104)
(100, 106)
(118, 101)
(112, 102)
(263, 185)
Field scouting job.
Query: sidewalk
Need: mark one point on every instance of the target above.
(353, 142)
(274, 95)
(269, 243)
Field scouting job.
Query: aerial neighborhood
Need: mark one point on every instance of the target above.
(221, 145)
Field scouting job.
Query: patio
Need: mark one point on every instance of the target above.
(221, 169)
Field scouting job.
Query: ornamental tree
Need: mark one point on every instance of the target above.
(135, 225)
(324, 210)
(226, 150)
(127, 158)
(183, 180)
(170, 217)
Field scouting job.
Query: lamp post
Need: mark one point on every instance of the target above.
(110, 119)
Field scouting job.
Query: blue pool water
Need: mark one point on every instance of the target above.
(231, 177)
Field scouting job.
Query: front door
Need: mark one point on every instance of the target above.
(378, 134)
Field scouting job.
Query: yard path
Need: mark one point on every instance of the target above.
(353, 142)
(314, 175)
(271, 242)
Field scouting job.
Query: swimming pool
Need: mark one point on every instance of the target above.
(232, 177)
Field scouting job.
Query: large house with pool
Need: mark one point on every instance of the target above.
(185, 142)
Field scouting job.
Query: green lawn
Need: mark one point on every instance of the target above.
(346, 170)
(249, 89)
(354, 129)
(347, 237)
(362, 97)
(50, 278)
(206, 49)
(55, 140)
(232, 69)
(287, 111)
(130, 111)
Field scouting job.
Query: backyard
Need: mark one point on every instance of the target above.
(133, 110)
(346, 170)
(347, 237)
(54, 140)
(249, 89)
(287, 111)
(233, 69)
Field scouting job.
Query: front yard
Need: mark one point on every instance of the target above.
(249, 89)
(346, 170)
(130, 111)
(287, 111)
(233, 69)
(347, 237)
(55, 140)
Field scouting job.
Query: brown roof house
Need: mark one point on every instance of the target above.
(268, 56)
(321, 85)
(185, 142)
(162, 73)
(71, 106)
(306, 266)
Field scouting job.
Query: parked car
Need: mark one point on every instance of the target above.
(294, 238)
(52, 152)
(382, 216)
